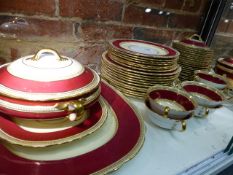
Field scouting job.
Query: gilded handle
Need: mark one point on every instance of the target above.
(166, 111)
(75, 107)
(176, 83)
(206, 111)
(196, 37)
(196, 78)
(38, 55)
(183, 125)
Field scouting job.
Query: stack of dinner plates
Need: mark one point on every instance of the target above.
(224, 66)
(133, 66)
(194, 55)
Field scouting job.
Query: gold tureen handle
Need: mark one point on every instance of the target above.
(75, 107)
(196, 37)
(38, 55)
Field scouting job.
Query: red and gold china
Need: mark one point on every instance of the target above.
(170, 102)
(133, 66)
(223, 70)
(109, 61)
(229, 71)
(224, 66)
(194, 40)
(211, 79)
(227, 62)
(194, 55)
(47, 85)
(143, 48)
(41, 133)
(165, 122)
(204, 94)
(102, 160)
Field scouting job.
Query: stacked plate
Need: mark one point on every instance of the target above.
(134, 65)
(194, 55)
(224, 66)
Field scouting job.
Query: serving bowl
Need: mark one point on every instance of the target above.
(165, 122)
(206, 96)
(171, 102)
(211, 79)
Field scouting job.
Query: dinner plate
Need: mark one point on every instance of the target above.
(123, 146)
(143, 48)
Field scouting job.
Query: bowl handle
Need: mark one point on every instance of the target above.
(195, 37)
(177, 83)
(202, 112)
(75, 107)
(166, 111)
(183, 125)
(38, 55)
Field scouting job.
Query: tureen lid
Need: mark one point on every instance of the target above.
(46, 76)
(194, 40)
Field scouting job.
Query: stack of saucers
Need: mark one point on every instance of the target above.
(194, 55)
(134, 65)
(224, 66)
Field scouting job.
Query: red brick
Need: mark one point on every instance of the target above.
(92, 9)
(192, 5)
(222, 26)
(137, 15)
(30, 7)
(174, 4)
(2, 61)
(95, 31)
(14, 53)
(151, 3)
(31, 27)
(230, 27)
(154, 35)
(87, 54)
(184, 21)
(204, 6)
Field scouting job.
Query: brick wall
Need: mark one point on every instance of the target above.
(81, 28)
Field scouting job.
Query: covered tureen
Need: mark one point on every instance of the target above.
(47, 86)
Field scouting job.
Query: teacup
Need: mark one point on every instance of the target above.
(206, 96)
(171, 102)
